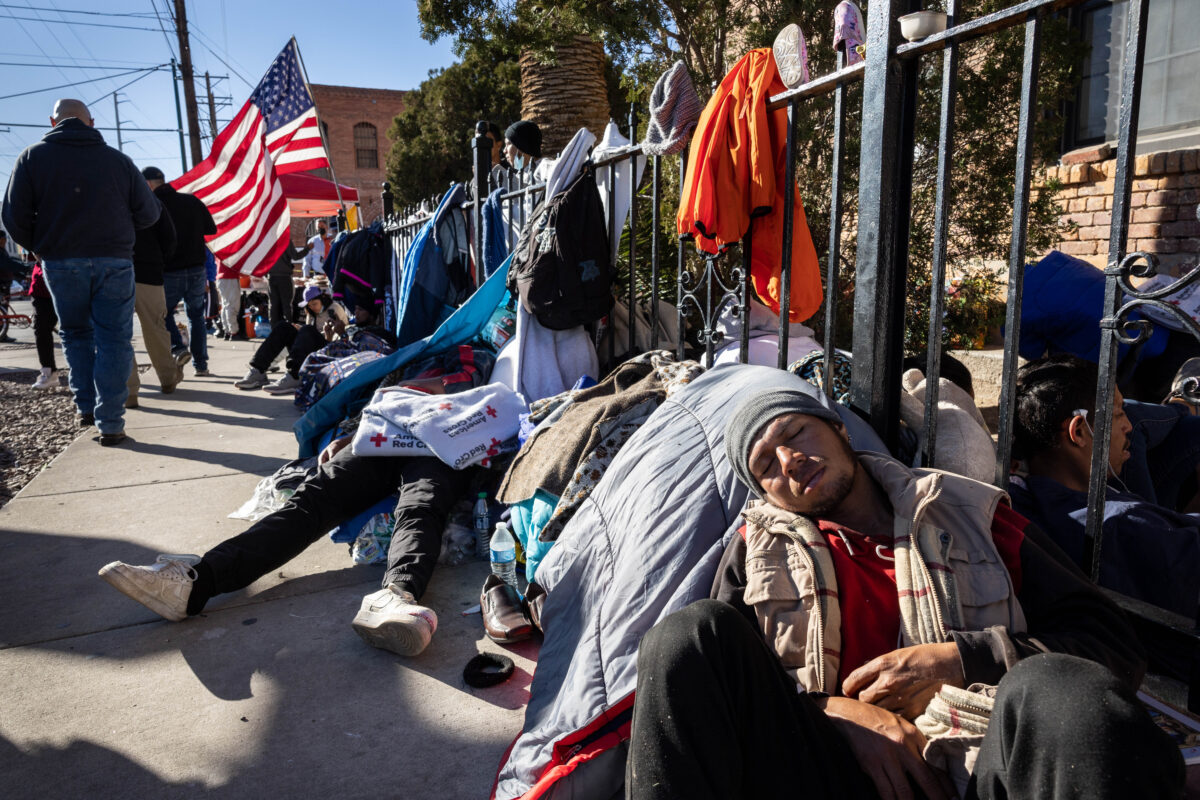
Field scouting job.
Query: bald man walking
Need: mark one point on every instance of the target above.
(77, 203)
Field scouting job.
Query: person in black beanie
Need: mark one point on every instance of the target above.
(523, 144)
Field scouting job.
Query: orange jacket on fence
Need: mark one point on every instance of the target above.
(736, 172)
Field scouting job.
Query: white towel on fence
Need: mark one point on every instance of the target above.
(461, 429)
(538, 362)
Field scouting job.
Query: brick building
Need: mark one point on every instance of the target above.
(356, 123)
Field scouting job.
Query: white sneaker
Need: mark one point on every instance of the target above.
(163, 587)
(255, 379)
(285, 385)
(390, 619)
(47, 379)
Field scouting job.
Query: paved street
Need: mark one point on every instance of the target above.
(269, 693)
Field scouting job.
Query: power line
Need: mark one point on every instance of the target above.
(163, 28)
(61, 66)
(80, 83)
(97, 127)
(77, 11)
(123, 85)
(73, 22)
(203, 43)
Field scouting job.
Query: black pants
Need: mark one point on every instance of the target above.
(279, 291)
(300, 343)
(44, 320)
(341, 488)
(717, 717)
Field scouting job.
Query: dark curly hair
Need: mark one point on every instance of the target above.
(1049, 390)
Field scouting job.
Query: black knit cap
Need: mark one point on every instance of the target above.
(153, 174)
(527, 136)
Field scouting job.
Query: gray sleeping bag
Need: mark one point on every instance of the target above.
(644, 544)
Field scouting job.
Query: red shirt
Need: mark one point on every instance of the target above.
(873, 609)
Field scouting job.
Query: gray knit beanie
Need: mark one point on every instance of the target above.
(674, 112)
(754, 414)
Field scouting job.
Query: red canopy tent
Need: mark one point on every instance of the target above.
(310, 196)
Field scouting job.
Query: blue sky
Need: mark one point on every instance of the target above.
(381, 48)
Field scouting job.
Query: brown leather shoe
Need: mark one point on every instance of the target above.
(535, 597)
(503, 619)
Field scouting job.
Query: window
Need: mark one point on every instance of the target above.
(366, 146)
(1170, 97)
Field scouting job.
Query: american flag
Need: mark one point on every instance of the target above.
(274, 133)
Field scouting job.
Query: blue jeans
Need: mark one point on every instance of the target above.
(1164, 449)
(190, 286)
(93, 298)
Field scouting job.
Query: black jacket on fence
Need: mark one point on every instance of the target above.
(152, 249)
(192, 224)
(72, 196)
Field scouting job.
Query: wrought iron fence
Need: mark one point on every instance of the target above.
(706, 285)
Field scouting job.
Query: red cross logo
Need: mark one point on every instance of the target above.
(491, 412)
(379, 439)
(445, 407)
(494, 449)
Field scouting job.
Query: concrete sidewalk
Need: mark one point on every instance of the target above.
(269, 693)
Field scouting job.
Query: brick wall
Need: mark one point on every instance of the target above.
(1166, 191)
(340, 108)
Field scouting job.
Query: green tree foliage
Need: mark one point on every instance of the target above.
(431, 139)
(643, 37)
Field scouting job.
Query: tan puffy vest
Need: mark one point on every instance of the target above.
(791, 585)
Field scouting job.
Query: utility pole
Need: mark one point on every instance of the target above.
(189, 87)
(179, 120)
(117, 114)
(212, 106)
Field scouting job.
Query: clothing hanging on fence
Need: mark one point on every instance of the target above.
(495, 242)
(611, 145)
(561, 172)
(674, 112)
(736, 173)
(433, 281)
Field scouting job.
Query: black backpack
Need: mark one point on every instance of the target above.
(562, 266)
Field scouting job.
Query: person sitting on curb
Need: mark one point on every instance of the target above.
(298, 340)
(791, 677)
(342, 486)
(1150, 551)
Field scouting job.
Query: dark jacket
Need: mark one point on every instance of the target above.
(192, 224)
(154, 246)
(72, 196)
(284, 266)
(1149, 552)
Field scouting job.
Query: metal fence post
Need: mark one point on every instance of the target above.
(481, 147)
(884, 196)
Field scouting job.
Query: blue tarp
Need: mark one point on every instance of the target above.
(349, 396)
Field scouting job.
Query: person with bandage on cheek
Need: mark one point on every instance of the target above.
(877, 630)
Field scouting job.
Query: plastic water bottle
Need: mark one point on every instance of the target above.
(504, 554)
(483, 526)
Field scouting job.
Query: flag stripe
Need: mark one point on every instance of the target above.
(274, 133)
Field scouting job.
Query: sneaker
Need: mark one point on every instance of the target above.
(390, 619)
(163, 587)
(47, 379)
(112, 439)
(791, 56)
(285, 385)
(255, 379)
(182, 357)
(203, 373)
(85, 420)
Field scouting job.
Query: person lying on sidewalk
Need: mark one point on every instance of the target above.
(1150, 551)
(343, 486)
(298, 340)
(791, 677)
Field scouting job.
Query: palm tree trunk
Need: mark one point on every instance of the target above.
(565, 94)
